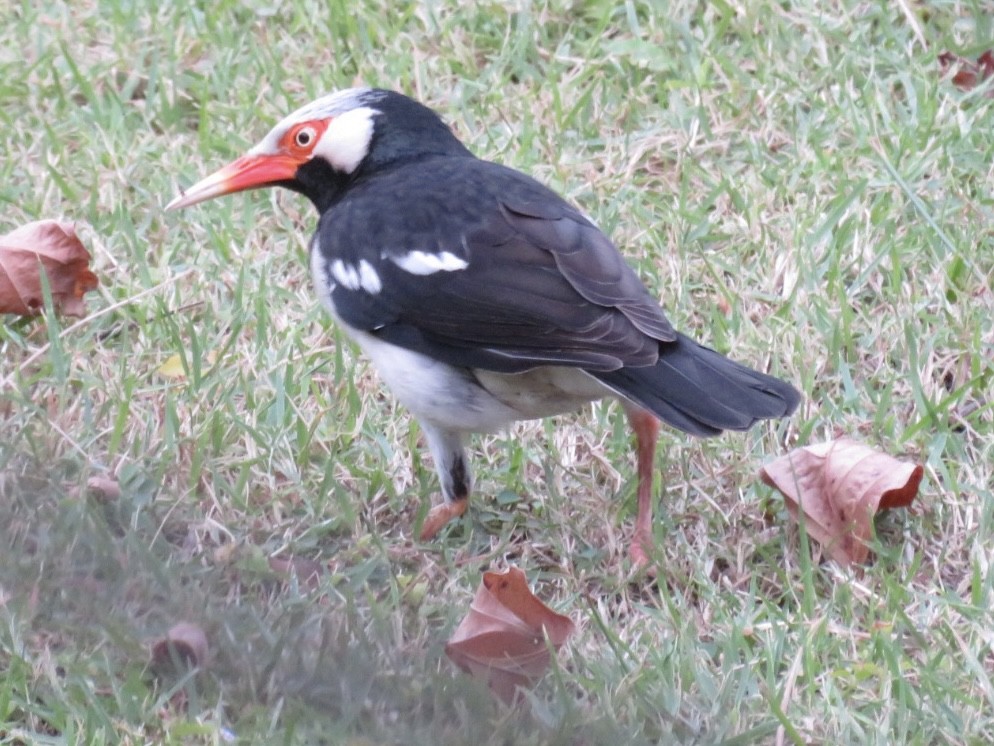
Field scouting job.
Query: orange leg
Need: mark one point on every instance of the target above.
(646, 428)
(446, 448)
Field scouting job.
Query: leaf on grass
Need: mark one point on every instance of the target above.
(172, 367)
(308, 571)
(502, 640)
(185, 644)
(104, 487)
(967, 74)
(840, 485)
(53, 246)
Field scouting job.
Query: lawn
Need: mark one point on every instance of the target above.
(799, 183)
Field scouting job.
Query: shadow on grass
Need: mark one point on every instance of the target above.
(88, 585)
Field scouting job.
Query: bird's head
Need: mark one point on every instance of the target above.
(322, 147)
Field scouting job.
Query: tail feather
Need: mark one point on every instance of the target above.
(702, 392)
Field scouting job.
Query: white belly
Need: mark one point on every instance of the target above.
(434, 392)
(478, 400)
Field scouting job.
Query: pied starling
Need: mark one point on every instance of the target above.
(480, 295)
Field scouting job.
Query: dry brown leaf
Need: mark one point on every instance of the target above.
(104, 487)
(966, 73)
(308, 571)
(185, 643)
(502, 640)
(840, 485)
(51, 245)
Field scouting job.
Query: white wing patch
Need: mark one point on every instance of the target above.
(356, 277)
(368, 279)
(345, 274)
(428, 263)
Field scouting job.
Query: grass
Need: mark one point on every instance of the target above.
(798, 184)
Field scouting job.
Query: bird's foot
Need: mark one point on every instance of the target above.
(439, 515)
(639, 553)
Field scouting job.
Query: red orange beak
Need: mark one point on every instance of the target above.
(248, 172)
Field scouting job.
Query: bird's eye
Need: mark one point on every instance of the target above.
(304, 137)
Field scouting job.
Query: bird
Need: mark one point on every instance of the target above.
(480, 295)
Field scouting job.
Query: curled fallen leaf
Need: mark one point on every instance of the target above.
(104, 487)
(502, 640)
(840, 485)
(52, 246)
(307, 571)
(967, 74)
(184, 643)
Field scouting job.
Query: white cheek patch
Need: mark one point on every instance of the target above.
(428, 263)
(346, 140)
(356, 277)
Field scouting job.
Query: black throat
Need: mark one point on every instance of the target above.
(320, 183)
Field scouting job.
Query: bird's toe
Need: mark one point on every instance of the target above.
(640, 553)
(439, 516)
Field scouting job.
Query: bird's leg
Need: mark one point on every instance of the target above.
(446, 448)
(646, 428)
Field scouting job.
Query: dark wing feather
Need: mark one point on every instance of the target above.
(594, 267)
(542, 285)
(701, 391)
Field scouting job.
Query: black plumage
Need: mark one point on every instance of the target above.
(481, 295)
(542, 286)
